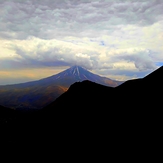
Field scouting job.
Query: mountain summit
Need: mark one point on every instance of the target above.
(77, 73)
(37, 94)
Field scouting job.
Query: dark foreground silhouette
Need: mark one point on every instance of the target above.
(91, 120)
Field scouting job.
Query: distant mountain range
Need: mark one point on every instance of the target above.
(92, 119)
(37, 94)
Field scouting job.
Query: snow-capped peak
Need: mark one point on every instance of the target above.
(75, 70)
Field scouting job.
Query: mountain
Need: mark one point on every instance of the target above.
(95, 121)
(127, 116)
(77, 73)
(134, 103)
(37, 94)
(136, 92)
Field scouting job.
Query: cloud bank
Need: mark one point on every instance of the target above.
(116, 38)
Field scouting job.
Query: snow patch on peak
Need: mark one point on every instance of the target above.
(75, 70)
(78, 71)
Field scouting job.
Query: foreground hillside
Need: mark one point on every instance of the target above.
(93, 119)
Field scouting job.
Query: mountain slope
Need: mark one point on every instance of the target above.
(74, 74)
(37, 94)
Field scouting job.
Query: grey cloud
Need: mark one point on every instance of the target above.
(141, 59)
(63, 56)
(56, 56)
(55, 18)
(127, 73)
(143, 65)
(12, 64)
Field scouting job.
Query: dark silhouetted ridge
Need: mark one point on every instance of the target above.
(93, 118)
(155, 74)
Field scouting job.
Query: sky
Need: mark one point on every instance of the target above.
(119, 39)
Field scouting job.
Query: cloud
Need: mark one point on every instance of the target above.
(60, 53)
(55, 19)
(107, 36)
(140, 58)
(122, 75)
(38, 53)
(140, 62)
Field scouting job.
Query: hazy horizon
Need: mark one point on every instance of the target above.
(119, 39)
